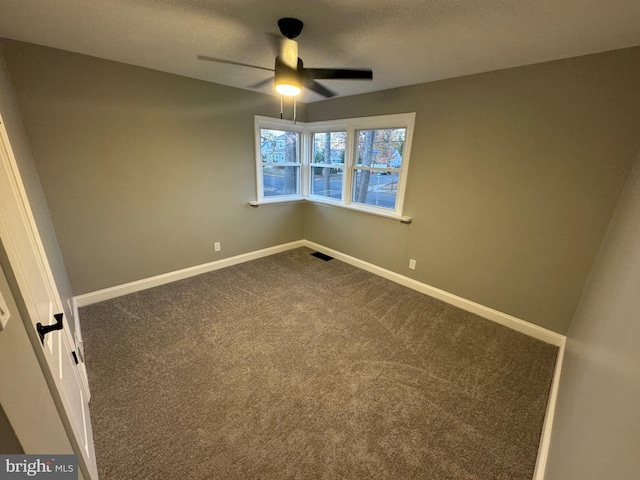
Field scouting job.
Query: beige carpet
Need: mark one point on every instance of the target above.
(291, 367)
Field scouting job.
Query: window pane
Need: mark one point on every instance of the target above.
(378, 188)
(326, 181)
(279, 180)
(279, 146)
(381, 148)
(328, 147)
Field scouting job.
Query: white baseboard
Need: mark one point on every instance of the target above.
(505, 319)
(545, 437)
(145, 283)
(509, 321)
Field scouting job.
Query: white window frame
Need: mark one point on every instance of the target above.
(324, 127)
(351, 126)
(286, 126)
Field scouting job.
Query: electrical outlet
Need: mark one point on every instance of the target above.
(412, 264)
(216, 246)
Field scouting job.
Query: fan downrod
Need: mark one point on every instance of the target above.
(290, 27)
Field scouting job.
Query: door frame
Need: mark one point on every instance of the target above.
(26, 223)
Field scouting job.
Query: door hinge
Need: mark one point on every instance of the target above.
(75, 357)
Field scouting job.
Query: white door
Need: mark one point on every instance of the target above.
(30, 266)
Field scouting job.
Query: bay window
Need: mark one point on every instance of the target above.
(357, 163)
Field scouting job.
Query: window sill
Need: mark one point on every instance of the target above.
(390, 215)
(276, 201)
(393, 216)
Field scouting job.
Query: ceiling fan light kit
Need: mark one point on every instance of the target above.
(288, 89)
(290, 76)
(288, 80)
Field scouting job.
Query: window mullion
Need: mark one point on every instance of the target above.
(385, 189)
(304, 161)
(349, 162)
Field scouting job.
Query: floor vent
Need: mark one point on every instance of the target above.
(321, 256)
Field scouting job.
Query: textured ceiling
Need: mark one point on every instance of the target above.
(404, 41)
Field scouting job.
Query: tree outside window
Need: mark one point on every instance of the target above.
(356, 163)
(379, 154)
(279, 147)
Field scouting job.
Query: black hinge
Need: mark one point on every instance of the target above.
(75, 357)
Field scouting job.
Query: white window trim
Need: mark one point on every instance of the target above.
(322, 127)
(350, 125)
(275, 124)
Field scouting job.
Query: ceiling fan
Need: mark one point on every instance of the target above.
(290, 75)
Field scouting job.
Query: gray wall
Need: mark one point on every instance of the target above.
(597, 429)
(9, 443)
(514, 174)
(142, 170)
(31, 181)
(513, 178)
(23, 386)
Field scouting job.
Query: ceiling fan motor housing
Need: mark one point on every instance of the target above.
(290, 76)
(285, 75)
(290, 27)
